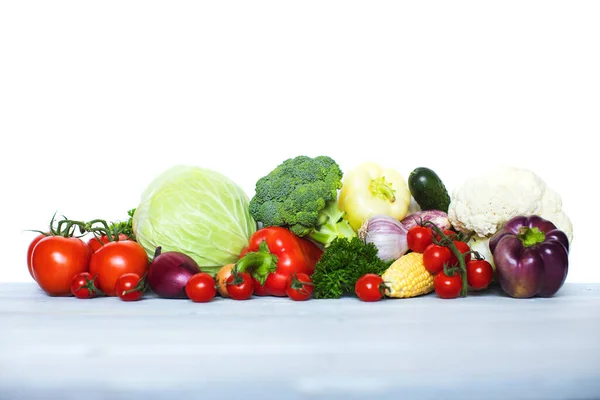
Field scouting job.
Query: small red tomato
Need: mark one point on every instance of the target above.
(370, 287)
(480, 274)
(448, 232)
(434, 258)
(83, 286)
(240, 285)
(419, 237)
(462, 248)
(96, 243)
(129, 287)
(201, 288)
(447, 287)
(299, 287)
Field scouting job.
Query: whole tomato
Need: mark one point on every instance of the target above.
(370, 287)
(434, 258)
(200, 288)
(55, 260)
(479, 274)
(30, 251)
(83, 286)
(240, 285)
(130, 287)
(419, 237)
(96, 243)
(447, 286)
(115, 259)
(299, 287)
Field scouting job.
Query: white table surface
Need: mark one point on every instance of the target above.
(481, 347)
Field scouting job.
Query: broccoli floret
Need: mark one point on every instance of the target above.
(301, 194)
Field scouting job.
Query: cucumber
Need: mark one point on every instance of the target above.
(428, 190)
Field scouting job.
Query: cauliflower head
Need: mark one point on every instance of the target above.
(484, 203)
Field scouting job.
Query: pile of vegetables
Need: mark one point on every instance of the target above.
(310, 231)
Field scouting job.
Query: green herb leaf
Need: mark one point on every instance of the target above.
(342, 264)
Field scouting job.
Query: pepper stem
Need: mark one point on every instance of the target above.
(381, 188)
(530, 236)
(259, 263)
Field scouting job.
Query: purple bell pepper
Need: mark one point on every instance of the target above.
(531, 257)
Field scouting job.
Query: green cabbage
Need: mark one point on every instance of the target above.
(196, 211)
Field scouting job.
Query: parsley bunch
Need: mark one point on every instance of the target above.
(342, 264)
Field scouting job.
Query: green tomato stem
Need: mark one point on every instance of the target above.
(462, 265)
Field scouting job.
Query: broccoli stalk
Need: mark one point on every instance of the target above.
(331, 225)
(300, 194)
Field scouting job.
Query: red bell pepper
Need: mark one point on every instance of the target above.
(273, 255)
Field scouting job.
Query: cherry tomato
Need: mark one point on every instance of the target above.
(83, 286)
(129, 287)
(419, 237)
(434, 258)
(55, 260)
(299, 287)
(448, 232)
(479, 274)
(462, 248)
(447, 287)
(370, 287)
(30, 251)
(240, 285)
(200, 288)
(115, 259)
(95, 243)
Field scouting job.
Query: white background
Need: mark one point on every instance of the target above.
(97, 98)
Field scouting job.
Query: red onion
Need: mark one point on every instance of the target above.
(169, 272)
(387, 234)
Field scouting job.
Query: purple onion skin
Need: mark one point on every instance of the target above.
(439, 218)
(169, 272)
(539, 270)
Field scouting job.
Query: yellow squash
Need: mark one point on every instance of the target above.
(370, 189)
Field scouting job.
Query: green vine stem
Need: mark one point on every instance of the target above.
(446, 241)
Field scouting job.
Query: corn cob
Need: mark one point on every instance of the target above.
(407, 277)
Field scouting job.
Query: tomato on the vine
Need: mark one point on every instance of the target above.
(201, 287)
(83, 286)
(419, 237)
(370, 287)
(55, 260)
(115, 259)
(240, 285)
(480, 274)
(299, 287)
(448, 232)
(434, 258)
(463, 248)
(96, 243)
(35, 241)
(446, 286)
(130, 287)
